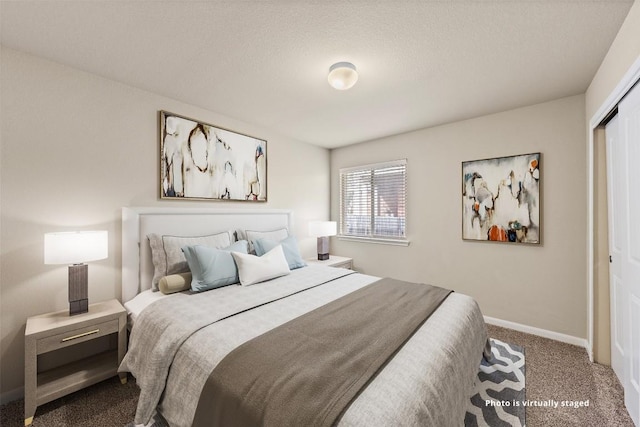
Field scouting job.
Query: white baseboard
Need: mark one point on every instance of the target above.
(11, 395)
(557, 336)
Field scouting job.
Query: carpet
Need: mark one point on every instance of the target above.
(499, 390)
(156, 421)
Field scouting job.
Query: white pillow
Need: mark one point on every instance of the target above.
(253, 269)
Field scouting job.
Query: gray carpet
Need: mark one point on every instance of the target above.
(106, 404)
(554, 371)
(562, 372)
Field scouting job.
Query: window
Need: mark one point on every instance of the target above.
(373, 201)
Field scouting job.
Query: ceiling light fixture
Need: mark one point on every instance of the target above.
(342, 75)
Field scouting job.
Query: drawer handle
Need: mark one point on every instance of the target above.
(95, 331)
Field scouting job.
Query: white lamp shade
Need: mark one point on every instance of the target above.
(323, 228)
(342, 75)
(75, 247)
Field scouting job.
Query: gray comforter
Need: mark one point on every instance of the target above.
(177, 341)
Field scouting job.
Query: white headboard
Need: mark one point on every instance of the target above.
(137, 223)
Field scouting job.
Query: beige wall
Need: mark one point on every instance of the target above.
(75, 149)
(624, 50)
(538, 285)
(622, 54)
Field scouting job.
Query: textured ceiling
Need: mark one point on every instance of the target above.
(421, 63)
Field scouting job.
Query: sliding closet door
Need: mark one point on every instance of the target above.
(623, 174)
(617, 244)
(629, 112)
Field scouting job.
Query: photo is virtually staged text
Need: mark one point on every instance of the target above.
(551, 403)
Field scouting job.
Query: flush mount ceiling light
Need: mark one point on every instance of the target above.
(342, 75)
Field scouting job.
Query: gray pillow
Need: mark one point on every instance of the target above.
(213, 268)
(277, 235)
(167, 256)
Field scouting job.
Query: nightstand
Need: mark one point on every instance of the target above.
(60, 352)
(333, 261)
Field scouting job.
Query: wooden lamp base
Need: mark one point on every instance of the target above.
(78, 289)
(323, 248)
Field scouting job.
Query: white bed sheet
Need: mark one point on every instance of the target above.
(141, 301)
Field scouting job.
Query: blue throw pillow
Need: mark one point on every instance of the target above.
(213, 268)
(289, 247)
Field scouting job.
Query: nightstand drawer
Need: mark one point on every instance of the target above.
(76, 336)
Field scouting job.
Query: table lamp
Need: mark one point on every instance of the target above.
(322, 230)
(75, 248)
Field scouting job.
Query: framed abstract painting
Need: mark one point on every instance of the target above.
(203, 162)
(501, 199)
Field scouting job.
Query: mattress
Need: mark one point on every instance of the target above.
(427, 382)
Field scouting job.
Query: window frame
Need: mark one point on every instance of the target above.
(371, 238)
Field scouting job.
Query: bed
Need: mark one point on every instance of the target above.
(177, 340)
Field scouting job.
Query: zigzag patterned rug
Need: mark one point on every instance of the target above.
(499, 389)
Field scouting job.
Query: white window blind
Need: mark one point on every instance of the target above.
(373, 200)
